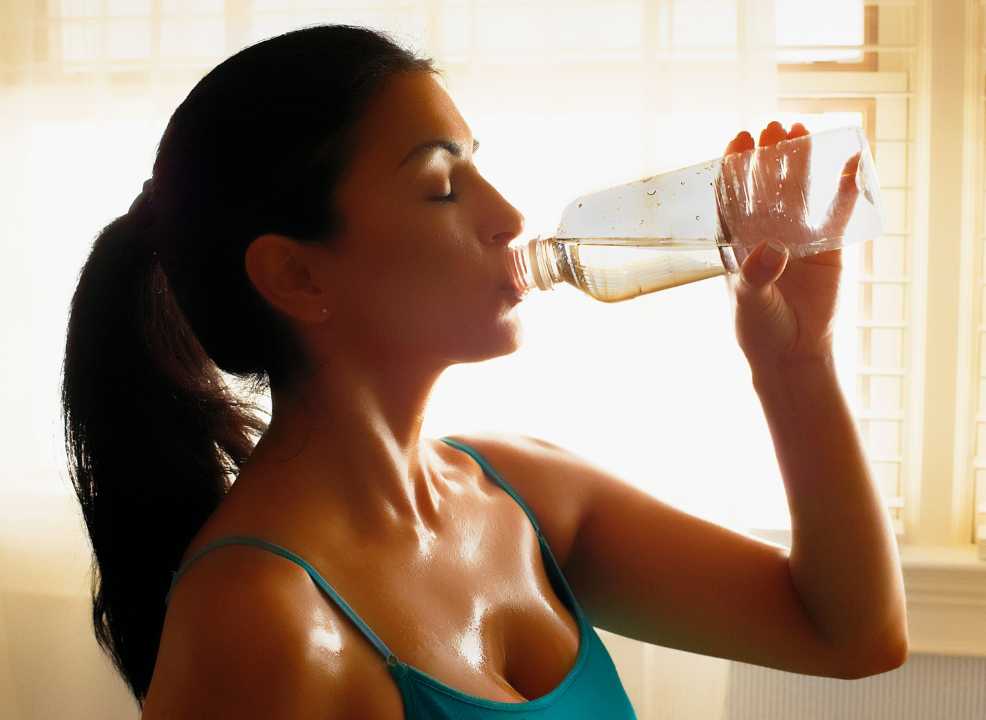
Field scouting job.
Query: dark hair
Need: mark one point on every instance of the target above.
(163, 304)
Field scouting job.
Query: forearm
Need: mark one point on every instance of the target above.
(844, 560)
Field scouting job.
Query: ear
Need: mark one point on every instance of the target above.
(284, 273)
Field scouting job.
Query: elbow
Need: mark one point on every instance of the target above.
(866, 664)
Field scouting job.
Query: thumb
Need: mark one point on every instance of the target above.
(764, 265)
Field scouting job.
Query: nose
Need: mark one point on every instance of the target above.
(504, 221)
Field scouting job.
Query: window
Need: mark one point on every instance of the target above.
(600, 93)
(570, 96)
(836, 35)
(825, 81)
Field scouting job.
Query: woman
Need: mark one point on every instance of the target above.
(315, 224)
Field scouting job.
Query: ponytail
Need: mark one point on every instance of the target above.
(153, 434)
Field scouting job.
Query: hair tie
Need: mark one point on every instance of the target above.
(142, 210)
(144, 198)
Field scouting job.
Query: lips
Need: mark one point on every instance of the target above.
(511, 284)
(515, 295)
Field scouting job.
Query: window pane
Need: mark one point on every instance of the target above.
(538, 28)
(888, 256)
(128, 39)
(885, 394)
(75, 8)
(198, 38)
(887, 476)
(704, 23)
(79, 41)
(883, 436)
(191, 7)
(128, 8)
(885, 348)
(835, 22)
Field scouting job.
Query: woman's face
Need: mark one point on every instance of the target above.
(418, 267)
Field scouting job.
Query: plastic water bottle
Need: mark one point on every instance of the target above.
(813, 193)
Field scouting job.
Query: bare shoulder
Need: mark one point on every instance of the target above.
(247, 635)
(556, 483)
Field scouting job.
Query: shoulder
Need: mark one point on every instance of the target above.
(248, 635)
(555, 483)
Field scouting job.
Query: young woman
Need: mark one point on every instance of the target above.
(315, 224)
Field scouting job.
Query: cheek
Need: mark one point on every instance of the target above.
(434, 256)
(412, 261)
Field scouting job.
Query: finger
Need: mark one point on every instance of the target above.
(723, 207)
(720, 183)
(832, 258)
(850, 168)
(723, 181)
(731, 147)
(772, 134)
(725, 185)
(797, 130)
(766, 199)
(844, 201)
(739, 167)
(765, 264)
(742, 142)
(741, 253)
(794, 183)
(725, 177)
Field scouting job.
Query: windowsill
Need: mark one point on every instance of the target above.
(946, 596)
(946, 599)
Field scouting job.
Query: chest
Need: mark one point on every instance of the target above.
(475, 607)
(483, 617)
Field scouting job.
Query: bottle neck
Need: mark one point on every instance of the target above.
(533, 265)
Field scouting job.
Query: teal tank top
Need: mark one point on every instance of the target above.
(592, 688)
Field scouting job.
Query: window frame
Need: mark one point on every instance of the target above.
(870, 61)
(945, 580)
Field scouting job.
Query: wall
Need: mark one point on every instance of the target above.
(684, 686)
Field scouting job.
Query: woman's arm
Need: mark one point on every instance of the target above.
(844, 557)
(646, 570)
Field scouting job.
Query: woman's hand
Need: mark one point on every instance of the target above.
(784, 307)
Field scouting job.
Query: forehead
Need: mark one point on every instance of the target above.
(408, 109)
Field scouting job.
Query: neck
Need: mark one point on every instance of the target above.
(348, 440)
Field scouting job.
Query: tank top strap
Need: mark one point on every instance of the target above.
(312, 572)
(495, 476)
(553, 567)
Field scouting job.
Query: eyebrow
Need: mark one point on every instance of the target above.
(449, 146)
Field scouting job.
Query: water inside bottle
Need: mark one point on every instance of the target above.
(615, 269)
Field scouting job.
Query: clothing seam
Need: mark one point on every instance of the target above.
(506, 707)
(586, 632)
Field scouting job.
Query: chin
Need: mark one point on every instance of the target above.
(503, 339)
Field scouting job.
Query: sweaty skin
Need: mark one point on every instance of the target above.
(439, 561)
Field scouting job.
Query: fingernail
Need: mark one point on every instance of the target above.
(772, 254)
